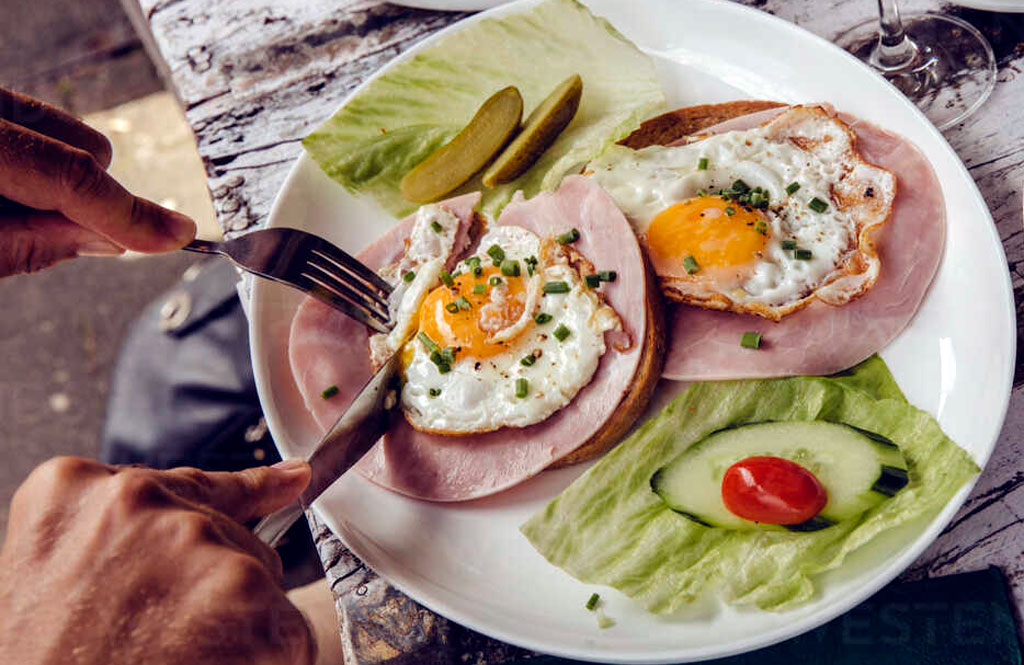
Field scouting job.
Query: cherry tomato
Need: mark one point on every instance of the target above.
(772, 490)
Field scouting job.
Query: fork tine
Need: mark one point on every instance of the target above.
(345, 286)
(347, 281)
(351, 264)
(314, 287)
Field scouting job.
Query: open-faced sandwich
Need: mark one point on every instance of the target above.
(535, 340)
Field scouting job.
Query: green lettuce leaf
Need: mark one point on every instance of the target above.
(608, 527)
(403, 116)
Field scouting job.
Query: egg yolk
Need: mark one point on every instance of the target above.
(715, 232)
(467, 329)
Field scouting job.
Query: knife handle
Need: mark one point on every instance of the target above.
(272, 528)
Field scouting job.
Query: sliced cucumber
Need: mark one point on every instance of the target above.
(858, 469)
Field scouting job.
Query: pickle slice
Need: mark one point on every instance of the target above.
(541, 129)
(455, 162)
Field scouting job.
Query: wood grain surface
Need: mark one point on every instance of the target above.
(256, 76)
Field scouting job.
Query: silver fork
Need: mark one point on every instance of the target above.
(311, 264)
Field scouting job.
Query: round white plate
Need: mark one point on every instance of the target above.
(451, 5)
(469, 561)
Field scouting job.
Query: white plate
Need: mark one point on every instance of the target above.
(469, 561)
(451, 5)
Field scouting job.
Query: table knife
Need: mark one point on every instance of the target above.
(354, 433)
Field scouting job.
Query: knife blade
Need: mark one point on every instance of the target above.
(354, 433)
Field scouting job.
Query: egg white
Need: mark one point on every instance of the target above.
(479, 395)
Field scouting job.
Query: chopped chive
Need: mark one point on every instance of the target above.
(448, 355)
(761, 228)
(462, 303)
(522, 388)
(473, 261)
(555, 287)
(329, 392)
(740, 187)
(729, 210)
(702, 164)
(452, 307)
(436, 225)
(446, 278)
(804, 254)
(792, 188)
(542, 318)
(690, 264)
(750, 340)
(434, 392)
(496, 253)
(440, 360)
(480, 289)
(572, 235)
(592, 601)
(409, 276)
(528, 360)
(428, 344)
(593, 281)
(756, 199)
(607, 275)
(789, 244)
(562, 333)
(702, 192)
(817, 205)
(531, 264)
(477, 271)
(510, 268)
(495, 281)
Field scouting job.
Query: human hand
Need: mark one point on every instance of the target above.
(123, 566)
(56, 199)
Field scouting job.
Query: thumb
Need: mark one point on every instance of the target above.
(247, 494)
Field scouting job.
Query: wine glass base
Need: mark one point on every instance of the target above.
(951, 74)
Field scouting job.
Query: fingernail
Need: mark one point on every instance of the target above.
(291, 466)
(180, 227)
(99, 248)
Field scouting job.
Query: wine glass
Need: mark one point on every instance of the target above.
(943, 64)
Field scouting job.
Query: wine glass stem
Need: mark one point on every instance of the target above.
(895, 49)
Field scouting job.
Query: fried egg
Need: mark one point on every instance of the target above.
(506, 340)
(759, 221)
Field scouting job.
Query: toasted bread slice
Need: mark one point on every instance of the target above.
(674, 125)
(648, 372)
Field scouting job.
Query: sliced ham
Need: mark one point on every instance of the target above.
(704, 344)
(326, 349)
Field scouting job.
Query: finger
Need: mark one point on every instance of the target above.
(32, 240)
(49, 121)
(243, 539)
(243, 495)
(45, 174)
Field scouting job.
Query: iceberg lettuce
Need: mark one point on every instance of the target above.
(608, 527)
(420, 104)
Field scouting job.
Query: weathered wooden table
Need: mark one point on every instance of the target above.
(255, 76)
